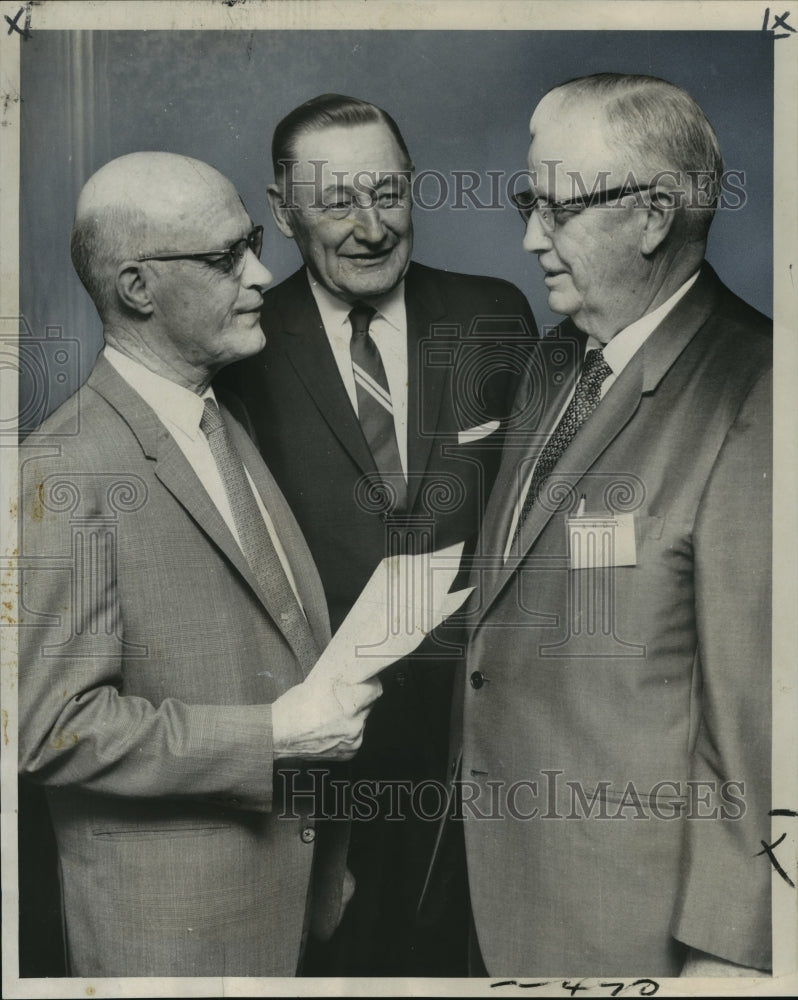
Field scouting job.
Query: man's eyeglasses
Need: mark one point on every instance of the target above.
(554, 213)
(230, 260)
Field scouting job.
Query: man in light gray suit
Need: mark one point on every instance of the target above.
(616, 707)
(171, 612)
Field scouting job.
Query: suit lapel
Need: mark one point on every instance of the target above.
(309, 351)
(641, 376)
(426, 384)
(524, 443)
(173, 470)
(612, 415)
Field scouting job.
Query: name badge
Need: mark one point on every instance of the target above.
(597, 542)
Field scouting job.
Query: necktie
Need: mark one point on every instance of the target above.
(374, 407)
(256, 543)
(584, 400)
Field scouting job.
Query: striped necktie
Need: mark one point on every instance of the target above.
(374, 406)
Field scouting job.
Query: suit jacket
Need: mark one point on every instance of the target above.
(466, 340)
(620, 717)
(148, 662)
(467, 336)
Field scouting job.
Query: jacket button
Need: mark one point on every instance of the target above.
(308, 835)
(477, 679)
(401, 678)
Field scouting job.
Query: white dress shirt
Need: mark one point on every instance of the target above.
(618, 352)
(388, 330)
(180, 411)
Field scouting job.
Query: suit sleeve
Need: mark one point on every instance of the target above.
(725, 898)
(75, 727)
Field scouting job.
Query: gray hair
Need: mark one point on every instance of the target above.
(665, 127)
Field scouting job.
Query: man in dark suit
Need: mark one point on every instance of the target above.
(171, 612)
(378, 403)
(616, 702)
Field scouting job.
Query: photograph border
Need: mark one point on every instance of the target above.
(469, 15)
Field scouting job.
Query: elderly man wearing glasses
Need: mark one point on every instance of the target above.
(615, 710)
(172, 612)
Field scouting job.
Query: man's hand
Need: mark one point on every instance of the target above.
(322, 718)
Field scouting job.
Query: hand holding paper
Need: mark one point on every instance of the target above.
(405, 599)
(322, 718)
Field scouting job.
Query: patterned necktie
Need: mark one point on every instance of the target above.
(584, 400)
(374, 407)
(256, 543)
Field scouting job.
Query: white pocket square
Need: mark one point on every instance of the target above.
(475, 433)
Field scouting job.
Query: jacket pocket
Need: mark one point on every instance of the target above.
(162, 832)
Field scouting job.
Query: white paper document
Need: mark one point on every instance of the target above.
(405, 599)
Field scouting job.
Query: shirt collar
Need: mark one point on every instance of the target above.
(618, 352)
(173, 404)
(335, 312)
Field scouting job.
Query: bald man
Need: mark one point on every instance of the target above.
(172, 612)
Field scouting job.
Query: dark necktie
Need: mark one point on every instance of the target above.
(584, 400)
(256, 543)
(374, 407)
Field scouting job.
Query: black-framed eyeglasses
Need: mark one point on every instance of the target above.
(230, 259)
(554, 213)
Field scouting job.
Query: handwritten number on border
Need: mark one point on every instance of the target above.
(646, 987)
